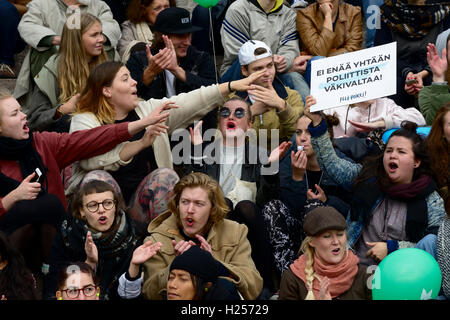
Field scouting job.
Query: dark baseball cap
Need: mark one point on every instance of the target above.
(174, 20)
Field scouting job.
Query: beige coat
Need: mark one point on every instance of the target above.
(230, 246)
(193, 106)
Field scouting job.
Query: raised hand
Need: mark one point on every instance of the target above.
(241, 84)
(204, 244)
(316, 117)
(267, 96)
(280, 63)
(144, 252)
(298, 163)
(196, 133)
(91, 251)
(279, 152)
(437, 64)
(182, 246)
(324, 292)
(156, 64)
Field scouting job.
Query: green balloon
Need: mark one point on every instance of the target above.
(407, 274)
(207, 3)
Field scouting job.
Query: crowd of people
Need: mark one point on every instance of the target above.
(134, 165)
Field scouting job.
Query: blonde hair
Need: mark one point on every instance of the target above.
(73, 69)
(4, 94)
(309, 267)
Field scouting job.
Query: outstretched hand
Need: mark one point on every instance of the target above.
(368, 126)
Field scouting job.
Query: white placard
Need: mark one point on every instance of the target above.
(354, 77)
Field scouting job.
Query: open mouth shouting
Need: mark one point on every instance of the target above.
(103, 220)
(231, 125)
(392, 167)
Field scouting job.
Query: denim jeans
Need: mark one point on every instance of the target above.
(10, 41)
(429, 244)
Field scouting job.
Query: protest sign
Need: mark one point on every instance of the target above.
(354, 77)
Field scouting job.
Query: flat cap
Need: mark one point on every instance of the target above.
(321, 219)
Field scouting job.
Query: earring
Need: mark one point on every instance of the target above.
(60, 298)
(98, 294)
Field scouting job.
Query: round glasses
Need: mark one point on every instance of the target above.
(107, 205)
(226, 112)
(88, 291)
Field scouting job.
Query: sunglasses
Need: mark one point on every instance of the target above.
(226, 112)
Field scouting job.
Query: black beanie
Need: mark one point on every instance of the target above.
(197, 262)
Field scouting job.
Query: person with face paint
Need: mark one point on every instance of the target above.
(142, 166)
(247, 179)
(327, 269)
(395, 202)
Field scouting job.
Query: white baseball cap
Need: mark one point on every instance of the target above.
(247, 52)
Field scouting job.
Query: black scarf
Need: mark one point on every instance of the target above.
(367, 193)
(28, 158)
(115, 247)
(413, 21)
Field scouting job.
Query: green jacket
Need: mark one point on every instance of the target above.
(431, 98)
(230, 246)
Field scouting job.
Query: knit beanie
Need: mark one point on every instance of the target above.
(197, 262)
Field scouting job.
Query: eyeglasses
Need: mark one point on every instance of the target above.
(226, 112)
(107, 205)
(88, 291)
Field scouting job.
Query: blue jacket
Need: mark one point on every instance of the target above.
(293, 193)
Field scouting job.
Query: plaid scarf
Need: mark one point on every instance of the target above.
(413, 21)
